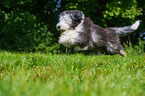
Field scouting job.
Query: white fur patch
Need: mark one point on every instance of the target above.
(65, 22)
(80, 27)
(69, 37)
(95, 37)
(135, 25)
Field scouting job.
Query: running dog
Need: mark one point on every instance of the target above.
(82, 34)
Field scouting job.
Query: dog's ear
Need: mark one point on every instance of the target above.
(77, 16)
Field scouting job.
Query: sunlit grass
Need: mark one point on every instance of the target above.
(37, 74)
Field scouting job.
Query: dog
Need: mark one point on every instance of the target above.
(81, 33)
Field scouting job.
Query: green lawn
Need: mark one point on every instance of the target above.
(37, 74)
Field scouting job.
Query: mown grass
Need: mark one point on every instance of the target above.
(37, 74)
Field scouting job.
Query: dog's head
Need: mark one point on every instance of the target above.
(69, 19)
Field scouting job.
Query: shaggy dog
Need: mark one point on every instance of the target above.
(82, 34)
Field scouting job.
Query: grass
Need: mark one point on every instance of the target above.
(37, 74)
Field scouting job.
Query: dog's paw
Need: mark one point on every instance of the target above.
(123, 53)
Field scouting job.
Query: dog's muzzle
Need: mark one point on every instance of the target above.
(58, 27)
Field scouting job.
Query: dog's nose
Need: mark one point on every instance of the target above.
(58, 26)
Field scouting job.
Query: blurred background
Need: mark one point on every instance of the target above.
(29, 25)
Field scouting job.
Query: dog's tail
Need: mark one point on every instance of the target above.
(127, 30)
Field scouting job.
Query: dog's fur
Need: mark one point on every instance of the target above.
(82, 34)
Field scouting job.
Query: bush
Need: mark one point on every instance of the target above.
(22, 32)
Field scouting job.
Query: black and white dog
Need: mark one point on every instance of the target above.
(82, 34)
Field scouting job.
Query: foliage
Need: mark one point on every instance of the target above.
(22, 29)
(23, 33)
(122, 9)
(29, 74)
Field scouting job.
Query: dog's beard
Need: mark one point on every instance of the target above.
(69, 38)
